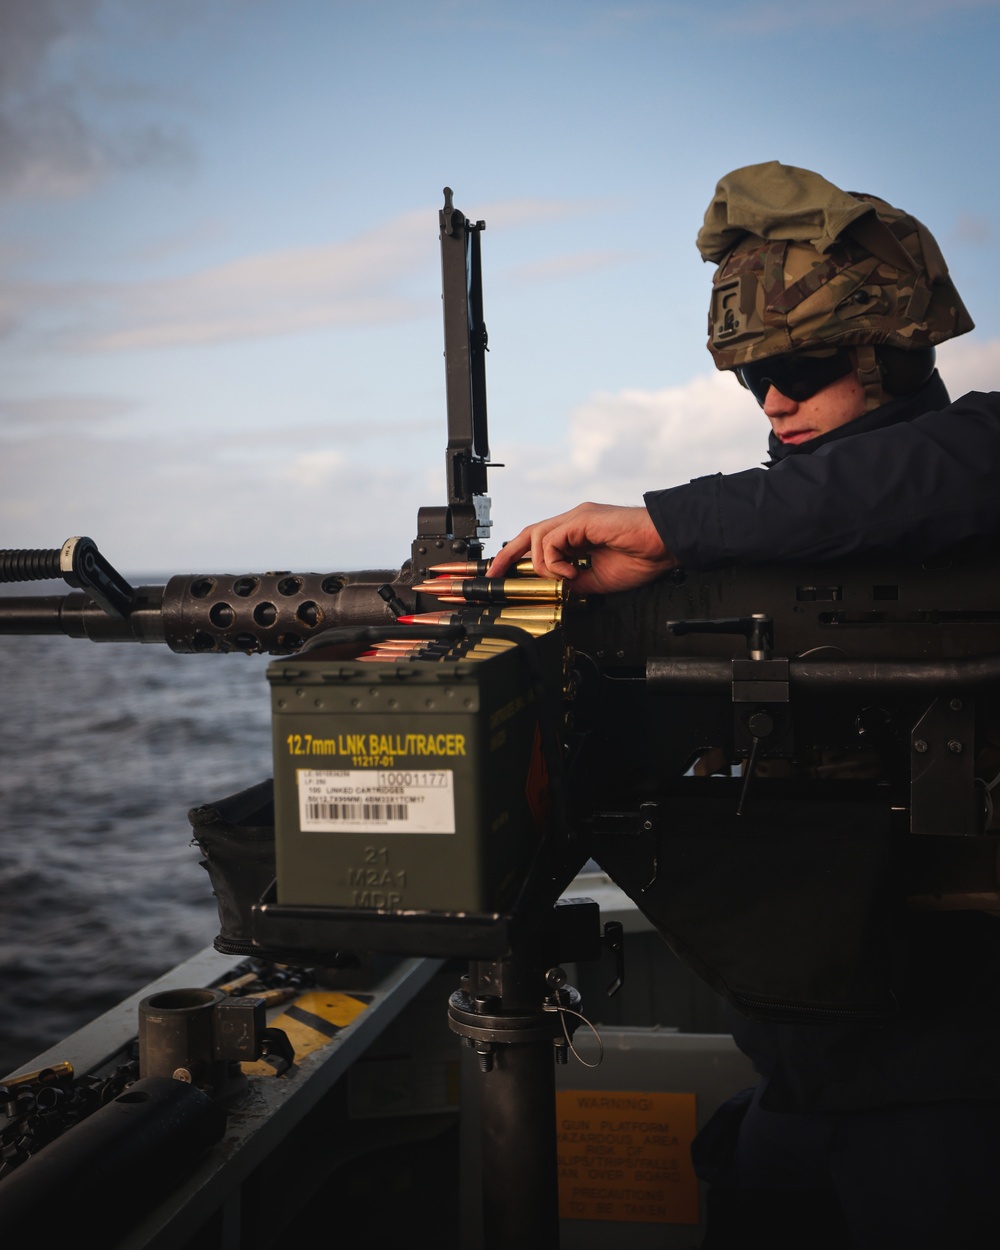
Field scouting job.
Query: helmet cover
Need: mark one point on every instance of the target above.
(804, 266)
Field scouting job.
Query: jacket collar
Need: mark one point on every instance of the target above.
(931, 396)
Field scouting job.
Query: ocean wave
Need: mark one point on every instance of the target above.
(103, 750)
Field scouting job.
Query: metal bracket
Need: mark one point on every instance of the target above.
(942, 768)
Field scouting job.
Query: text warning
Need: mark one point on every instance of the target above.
(625, 1156)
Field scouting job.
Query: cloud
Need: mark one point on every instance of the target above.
(619, 445)
(312, 434)
(28, 32)
(261, 296)
(8, 318)
(45, 146)
(208, 231)
(268, 295)
(48, 145)
(534, 211)
(47, 151)
(315, 468)
(51, 412)
(151, 506)
(969, 364)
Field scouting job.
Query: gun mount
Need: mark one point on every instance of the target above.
(787, 746)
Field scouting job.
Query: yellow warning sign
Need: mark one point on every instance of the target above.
(625, 1156)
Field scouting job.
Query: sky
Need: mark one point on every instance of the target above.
(221, 344)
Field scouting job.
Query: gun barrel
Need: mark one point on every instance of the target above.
(33, 614)
(219, 612)
(77, 615)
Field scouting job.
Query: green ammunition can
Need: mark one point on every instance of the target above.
(404, 786)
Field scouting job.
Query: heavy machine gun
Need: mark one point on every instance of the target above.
(277, 613)
(777, 764)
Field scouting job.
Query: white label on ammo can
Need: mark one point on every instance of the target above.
(366, 800)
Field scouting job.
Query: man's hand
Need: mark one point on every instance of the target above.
(624, 548)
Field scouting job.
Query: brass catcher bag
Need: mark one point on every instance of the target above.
(791, 915)
(815, 907)
(236, 837)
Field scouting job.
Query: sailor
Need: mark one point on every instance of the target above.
(827, 306)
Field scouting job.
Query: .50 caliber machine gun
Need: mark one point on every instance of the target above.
(439, 783)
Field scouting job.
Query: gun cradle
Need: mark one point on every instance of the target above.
(864, 745)
(895, 667)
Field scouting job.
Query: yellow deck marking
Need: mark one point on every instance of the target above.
(311, 1021)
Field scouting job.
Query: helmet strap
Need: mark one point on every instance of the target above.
(869, 375)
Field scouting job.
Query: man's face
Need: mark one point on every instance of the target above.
(797, 421)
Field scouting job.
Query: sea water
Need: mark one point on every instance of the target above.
(104, 748)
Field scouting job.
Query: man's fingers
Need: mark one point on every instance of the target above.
(555, 555)
(625, 549)
(509, 554)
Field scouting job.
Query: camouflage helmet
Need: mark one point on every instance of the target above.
(803, 265)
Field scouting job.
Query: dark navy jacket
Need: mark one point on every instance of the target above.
(913, 479)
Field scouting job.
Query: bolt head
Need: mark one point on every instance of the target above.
(760, 724)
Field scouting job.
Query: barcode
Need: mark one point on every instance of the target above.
(358, 811)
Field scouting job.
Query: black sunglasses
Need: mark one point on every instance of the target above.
(798, 375)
